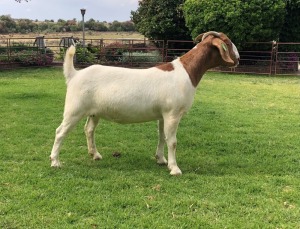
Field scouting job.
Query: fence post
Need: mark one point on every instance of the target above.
(274, 57)
(9, 50)
(275, 48)
(163, 54)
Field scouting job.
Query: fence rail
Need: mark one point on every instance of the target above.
(269, 58)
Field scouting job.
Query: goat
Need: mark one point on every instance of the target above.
(164, 93)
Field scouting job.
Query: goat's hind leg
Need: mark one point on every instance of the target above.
(161, 160)
(61, 132)
(89, 129)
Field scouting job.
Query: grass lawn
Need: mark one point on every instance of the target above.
(238, 148)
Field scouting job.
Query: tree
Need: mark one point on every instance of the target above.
(95, 25)
(100, 26)
(115, 26)
(128, 26)
(161, 20)
(26, 25)
(8, 25)
(290, 31)
(242, 21)
(43, 26)
(90, 24)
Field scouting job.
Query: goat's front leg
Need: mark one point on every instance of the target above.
(89, 129)
(161, 144)
(170, 129)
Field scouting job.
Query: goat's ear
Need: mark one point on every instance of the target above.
(223, 49)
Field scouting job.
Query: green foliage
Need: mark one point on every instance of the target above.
(27, 55)
(120, 52)
(83, 55)
(290, 31)
(33, 58)
(10, 25)
(121, 26)
(142, 57)
(16, 47)
(7, 24)
(95, 25)
(161, 20)
(238, 148)
(113, 51)
(26, 26)
(241, 20)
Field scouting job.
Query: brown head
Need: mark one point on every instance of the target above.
(213, 49)
(227, 49)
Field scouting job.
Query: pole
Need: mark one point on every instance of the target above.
(83, 30)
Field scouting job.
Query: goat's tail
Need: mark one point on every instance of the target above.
(69, 70)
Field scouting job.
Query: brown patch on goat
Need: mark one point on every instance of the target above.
(168, 67)
(199, 59)
(194, 63)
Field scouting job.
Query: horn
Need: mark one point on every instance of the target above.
(202, 36)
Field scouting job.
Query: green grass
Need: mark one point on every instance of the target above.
(238, 148)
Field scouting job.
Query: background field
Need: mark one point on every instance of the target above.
(88, 35)
(238, 149)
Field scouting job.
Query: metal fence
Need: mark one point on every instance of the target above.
(269, 58)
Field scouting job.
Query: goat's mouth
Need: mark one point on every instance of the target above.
(236, 63)
(234, 66)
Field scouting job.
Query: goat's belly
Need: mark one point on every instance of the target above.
(128, 115)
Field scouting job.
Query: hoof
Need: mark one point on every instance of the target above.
(97, 156)
(161, 161)
(175, 171)
(55, 163)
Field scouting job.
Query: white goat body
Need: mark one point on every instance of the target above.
(129, 95)
(122, 95)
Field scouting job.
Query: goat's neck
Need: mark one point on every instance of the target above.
(198, 60)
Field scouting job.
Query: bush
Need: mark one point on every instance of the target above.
(19, 46)
(36, 57)
(83, 55)
(26, 55)
(113, 51)
(142, 57)
(3, 50)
